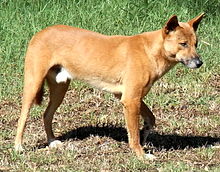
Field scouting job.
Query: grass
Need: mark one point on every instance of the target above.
(185, 102)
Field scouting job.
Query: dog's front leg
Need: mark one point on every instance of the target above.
(149, 120)
(131, 109)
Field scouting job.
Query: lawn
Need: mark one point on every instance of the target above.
(90, 123)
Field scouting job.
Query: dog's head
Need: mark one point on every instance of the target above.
(180, 41)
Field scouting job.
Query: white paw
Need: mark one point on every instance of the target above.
(216, 147)
(55, 144)
(18, 148)
(150, 157)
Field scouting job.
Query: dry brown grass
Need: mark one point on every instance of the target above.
(91, 125)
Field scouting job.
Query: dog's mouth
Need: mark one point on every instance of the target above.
(192, 63)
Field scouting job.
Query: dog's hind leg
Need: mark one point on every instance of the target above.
(149, 120)
(57, 93)
(33, 83)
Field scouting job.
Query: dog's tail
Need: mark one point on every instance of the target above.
(39, 95)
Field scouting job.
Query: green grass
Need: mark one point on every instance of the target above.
(185, 102)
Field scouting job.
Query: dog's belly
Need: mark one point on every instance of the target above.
(114, 87)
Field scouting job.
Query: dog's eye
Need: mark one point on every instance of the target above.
(183, 44)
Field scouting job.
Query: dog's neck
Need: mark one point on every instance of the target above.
(153, 43)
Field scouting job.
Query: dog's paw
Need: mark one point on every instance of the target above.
(55, 144)
(149, 156)
(18, 148)
(216, 147)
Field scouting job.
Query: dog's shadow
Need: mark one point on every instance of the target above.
(159, 141)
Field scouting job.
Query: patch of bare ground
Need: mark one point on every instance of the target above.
(91, 125)
(215, 82)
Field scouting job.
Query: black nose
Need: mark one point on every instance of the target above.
(198, 62)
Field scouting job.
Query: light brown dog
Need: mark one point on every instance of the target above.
(126, 66)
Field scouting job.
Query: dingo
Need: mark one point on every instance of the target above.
(126, 66)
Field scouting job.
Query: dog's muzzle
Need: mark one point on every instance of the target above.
(193, 63)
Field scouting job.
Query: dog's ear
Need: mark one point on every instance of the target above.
(195, 21)
(171, 25)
